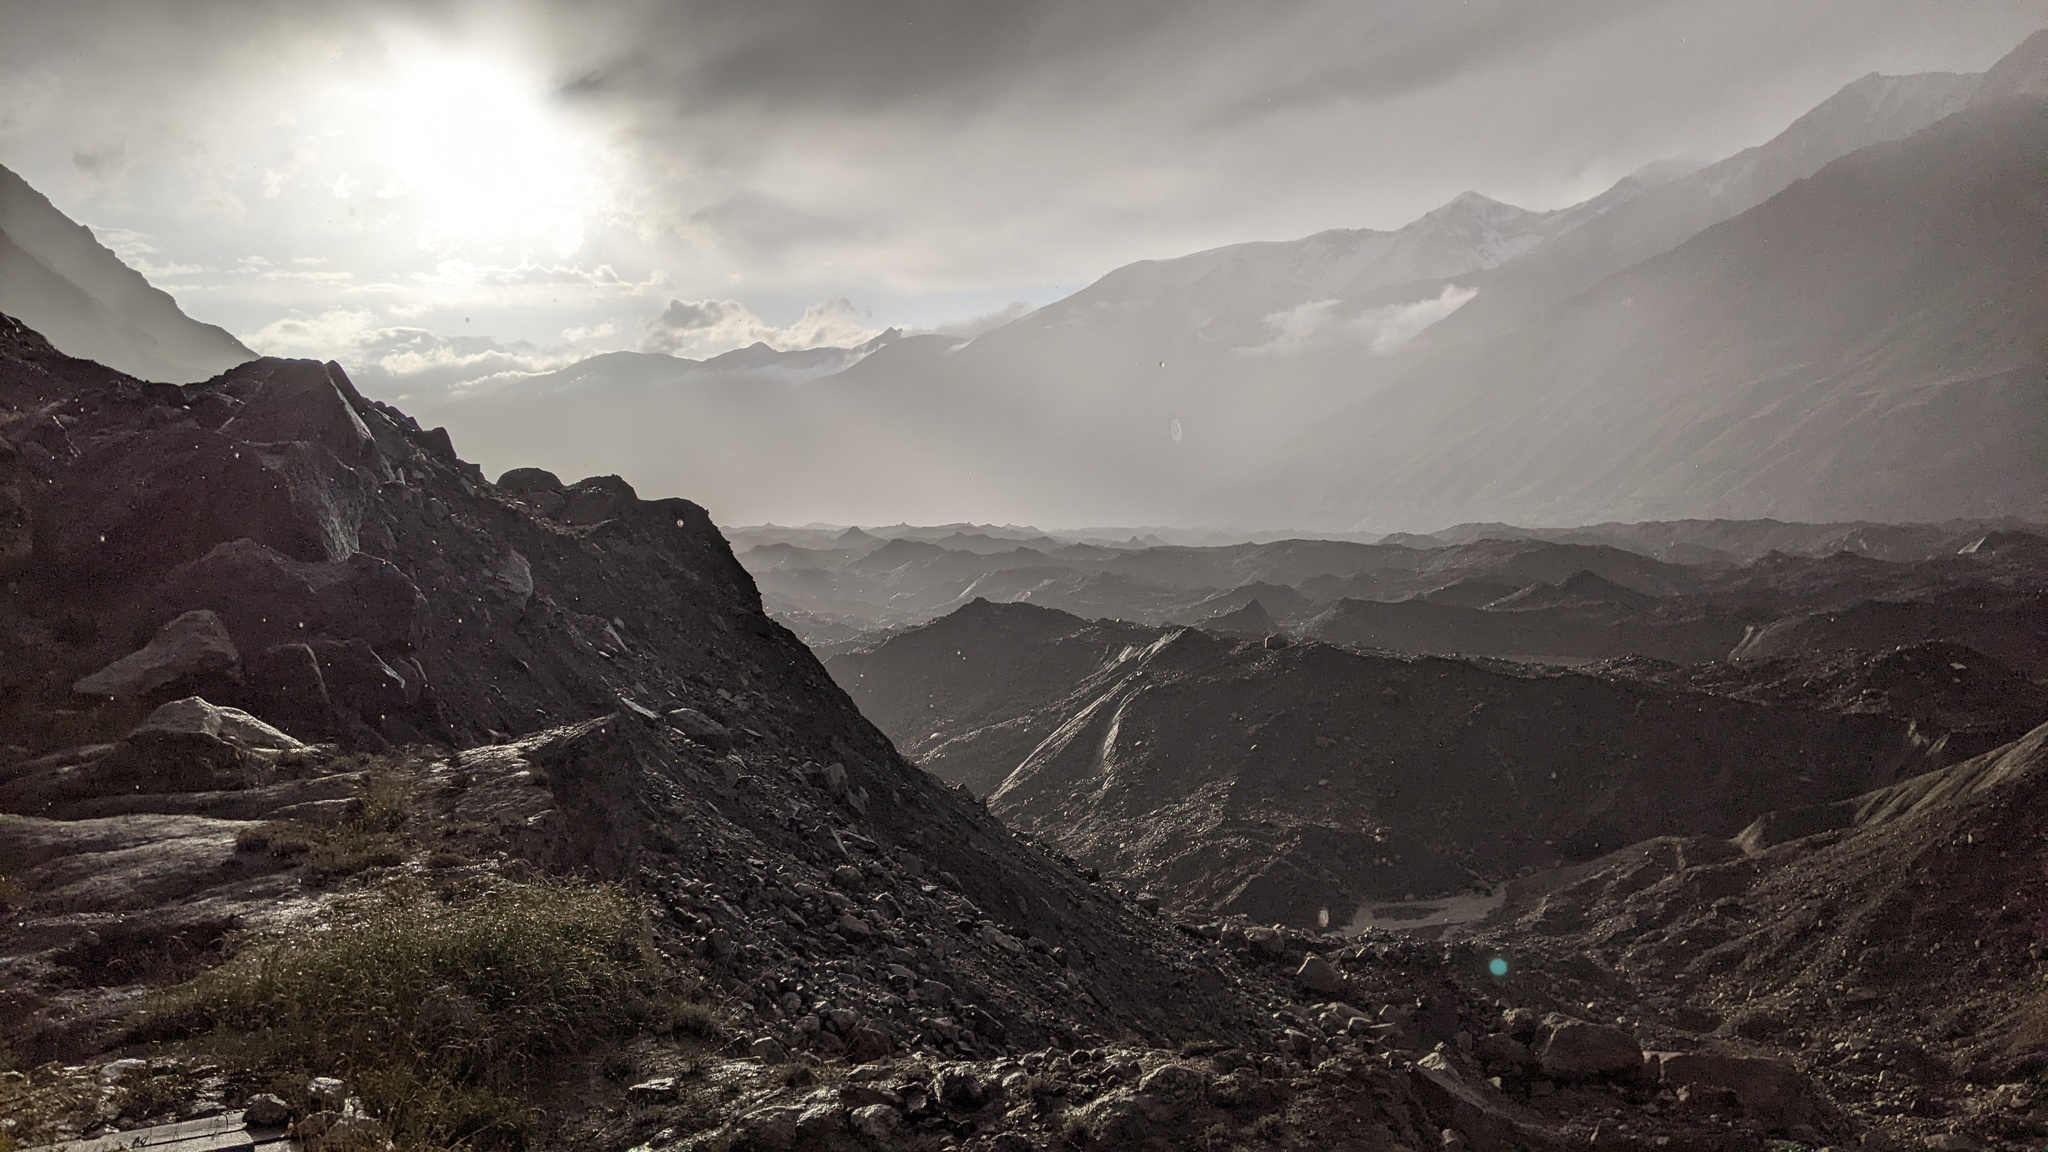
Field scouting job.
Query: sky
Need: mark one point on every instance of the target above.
(449, 192)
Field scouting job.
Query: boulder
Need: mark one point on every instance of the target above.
(1576, 1050)
(266, 1110)
(866, 1045)
(876, 1122)
(297, 400)
(194, 716)
(958, 1088)
(1268, 942)
(1177, 1083)
(1772, 1091)
(511, 579)
(530, 480)
(1319, 975)
(700, 729)
(284, 684)
(1487, 1120)
(193, 647)
(360, 683)
(267, 598)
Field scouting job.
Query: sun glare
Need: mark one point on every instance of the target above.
(483, 156)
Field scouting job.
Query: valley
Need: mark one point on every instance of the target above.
(1518, 680)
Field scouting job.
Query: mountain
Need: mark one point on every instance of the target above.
(1867, 344)
(60, 280)
(1124, 402)
(1282, 781)
(1872, 110)
(1839, 932)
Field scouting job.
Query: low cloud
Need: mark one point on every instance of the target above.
(699, 328)
(410, 363)
(1318, 324)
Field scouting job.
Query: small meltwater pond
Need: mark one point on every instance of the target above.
(1442, 919)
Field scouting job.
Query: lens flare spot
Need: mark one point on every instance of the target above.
(1498, 966)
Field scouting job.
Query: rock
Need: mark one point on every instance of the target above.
(191, 648)
(194, 716)
(360, 683)
(1954, 1142)
(266, 1110)
(866, 1045)
(853, 927)
(511, 579)
(327, 1092)
(1496, 1048)
(1575, 1050)
(959, 1089)
(842, 1020)
(700, 729)
(1268, 942)
(876, 1122)
(768, 1129)
(769, 1050)
(301, 400)
(284, 684)
(530, 480)
(115, 1071)
(1276, 641)
(1177, 1083)
(1319, 975)
(1769, 1090)
(1148, 902)
(187, 745)
(1521, 1023)
(265, 597)
(1486, 1120)
(661, 1087)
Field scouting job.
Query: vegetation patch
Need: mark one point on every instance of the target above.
(449, 1017)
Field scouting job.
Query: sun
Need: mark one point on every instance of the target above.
(484, 158)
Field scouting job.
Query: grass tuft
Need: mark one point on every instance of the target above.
(445, 1017)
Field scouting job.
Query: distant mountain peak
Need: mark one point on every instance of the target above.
(2022, 72)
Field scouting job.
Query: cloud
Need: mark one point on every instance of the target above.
(1380, 331)
(700, 328)
(393, 360)
(464, 274)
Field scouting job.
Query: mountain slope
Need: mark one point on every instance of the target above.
(1866, 345)
(1872, 110)
(62, 282)
(1277, 782)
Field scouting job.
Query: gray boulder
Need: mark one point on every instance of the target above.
(1576, 1050)
(1319, 975)
(190, 648)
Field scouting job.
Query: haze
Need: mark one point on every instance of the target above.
(456, 200)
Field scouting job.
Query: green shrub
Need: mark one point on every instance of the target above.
(444, 1017)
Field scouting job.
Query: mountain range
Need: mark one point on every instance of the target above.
(1842, 323)
(57, 278)
(1845, 323)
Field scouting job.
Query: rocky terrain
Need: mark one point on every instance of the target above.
(344, 785)
(1300, 782)
(1676, 591)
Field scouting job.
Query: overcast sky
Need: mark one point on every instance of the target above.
(464, 188)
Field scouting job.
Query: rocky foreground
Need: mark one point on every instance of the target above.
(390, 803)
